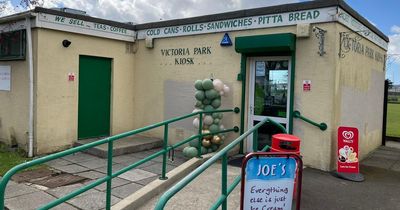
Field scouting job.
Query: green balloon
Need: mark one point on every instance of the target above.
(215, 115)
(193, 143)
(191, 152)
(198, 85)
(216, 103)
(184, 151)
(204, 150)
(199, 95)
(198, 104)
(206, 102)
(211, 94)
(208, 108)
(221, 115)
(214, 147)
(216, 121)
(207, 84)
(210, 150)
(213, 128)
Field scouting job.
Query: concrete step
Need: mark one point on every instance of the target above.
(122, 146)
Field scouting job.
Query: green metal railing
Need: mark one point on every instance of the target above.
(109, 141)
(223, 155)
(322, 126)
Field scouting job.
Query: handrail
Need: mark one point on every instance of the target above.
(110, 175)
(223, 154)
(322, 126)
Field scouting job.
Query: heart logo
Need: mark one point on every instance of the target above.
(348, 134)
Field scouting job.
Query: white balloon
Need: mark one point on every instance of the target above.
(218, 85)
(196, 122)
(221, 93)
(197, 110)
(226, 89)
(208, 120)
(221, 127)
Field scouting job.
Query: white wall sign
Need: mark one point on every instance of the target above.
(84, 27)
(253, 22)
(269, 183)
(355, 25)
(5, 78)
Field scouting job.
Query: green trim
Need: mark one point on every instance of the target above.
(271, 44)
(243, 65)
(322, 126)
(291, 102)
(265, 43)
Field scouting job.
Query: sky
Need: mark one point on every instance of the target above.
(383, 14)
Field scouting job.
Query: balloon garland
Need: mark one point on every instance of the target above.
(208, 95)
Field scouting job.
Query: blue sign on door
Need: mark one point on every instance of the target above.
(269, 183)
(226, 40)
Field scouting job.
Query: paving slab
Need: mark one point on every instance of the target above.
(94, 163)
(157, 168)
(58, 162)
(91, 174)
(126, 190)
(33, 201)
(115, 167)
(129, 158)
(92, 201)
(79, 157)
(147, 180)
(14, 190)
(116, 182)
(73, 168)
(65, 190)
(136, 175)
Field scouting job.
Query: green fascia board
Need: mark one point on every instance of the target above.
(266, 43)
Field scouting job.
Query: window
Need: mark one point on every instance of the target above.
(12, 45)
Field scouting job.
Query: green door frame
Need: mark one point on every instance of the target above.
(261, 45)
(94, 99)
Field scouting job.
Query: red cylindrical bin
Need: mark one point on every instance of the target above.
(285, 143)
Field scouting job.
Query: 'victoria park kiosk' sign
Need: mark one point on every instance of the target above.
(268, 181)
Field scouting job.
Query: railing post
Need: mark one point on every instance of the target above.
(200, 135)
(165, 145)
(224, 180)
(109, 174)
(255, 140)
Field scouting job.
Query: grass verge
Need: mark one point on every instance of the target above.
(9, 159)
(393, 120)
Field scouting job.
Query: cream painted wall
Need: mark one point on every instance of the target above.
(224, 63)
(359, 95)
(14, 105)
(14, 111)
(316, 104)
(57, 98)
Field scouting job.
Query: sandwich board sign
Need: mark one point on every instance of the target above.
(347, 154)
(269, 181)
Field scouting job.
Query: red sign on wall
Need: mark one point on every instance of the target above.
(306, 85)
(347, 150)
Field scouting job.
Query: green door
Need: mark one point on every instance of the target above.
(94, 97)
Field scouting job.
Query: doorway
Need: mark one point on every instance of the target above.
(269, 96)
(94, 97)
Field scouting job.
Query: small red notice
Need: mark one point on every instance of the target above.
(306, 85)
(347, 150)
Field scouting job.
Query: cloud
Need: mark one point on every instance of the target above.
(394, 43)
(142, 11)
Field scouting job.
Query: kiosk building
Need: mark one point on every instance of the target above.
(68, 76)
